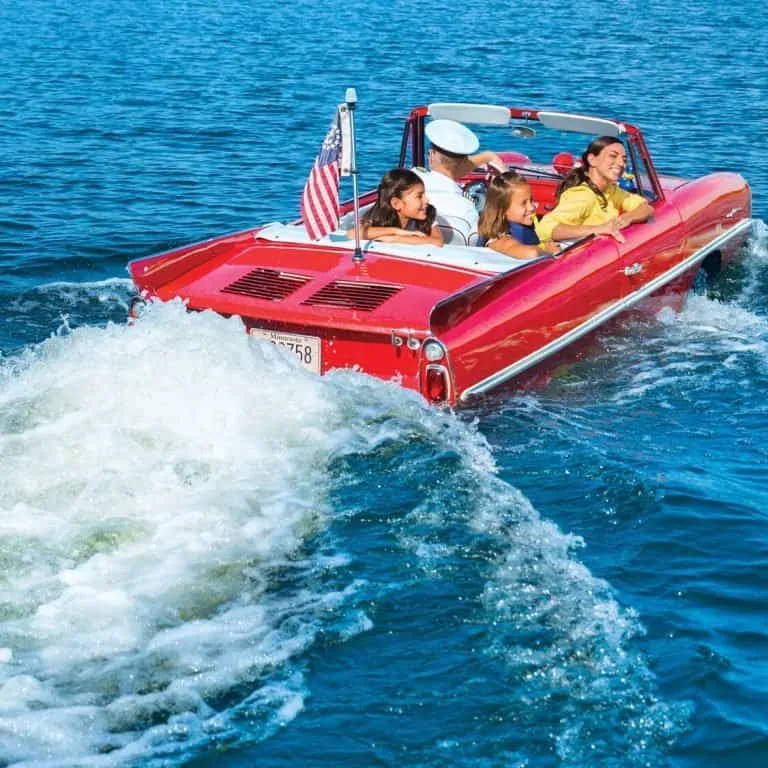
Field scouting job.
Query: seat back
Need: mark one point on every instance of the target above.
(451, 236)
(347, 221)
(544, 193)
(455, 229)
(474, 239)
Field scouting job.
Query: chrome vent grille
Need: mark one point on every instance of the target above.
(268, 284)
(352, 295)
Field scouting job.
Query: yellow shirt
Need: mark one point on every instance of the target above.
(579, 206)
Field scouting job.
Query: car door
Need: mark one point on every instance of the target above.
(651, 251)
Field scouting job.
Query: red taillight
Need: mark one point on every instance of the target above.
(436, 388)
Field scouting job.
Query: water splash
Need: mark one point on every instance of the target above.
(163, 485)
(152, 476)
(755, 286)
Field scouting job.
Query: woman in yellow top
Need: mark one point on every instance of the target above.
(590, 200)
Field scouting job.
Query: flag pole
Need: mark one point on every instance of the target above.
(351, 101)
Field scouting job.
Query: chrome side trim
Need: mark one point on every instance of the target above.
(595, 322)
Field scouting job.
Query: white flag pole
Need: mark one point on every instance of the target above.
(350, 99)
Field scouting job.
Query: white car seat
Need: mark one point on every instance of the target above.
(455, 230)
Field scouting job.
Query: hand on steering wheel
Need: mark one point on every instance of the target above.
(492, 170)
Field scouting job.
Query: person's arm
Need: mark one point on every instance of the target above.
(435, 236)
(576, 232)
(376, 233)
(612, 228)
(577, 203)
(488, 158)
(413, 238)
(469, 163)
(643, 212)
(635, 208)
(403, 236)
(511, 247)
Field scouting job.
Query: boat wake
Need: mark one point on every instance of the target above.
(152, 478)
(720, 333)
(179, 517)
(721, 336)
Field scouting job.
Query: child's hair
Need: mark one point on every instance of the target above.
(396, 183)
(493, 222)
(580, 173)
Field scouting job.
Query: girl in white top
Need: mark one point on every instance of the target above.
(401, 213)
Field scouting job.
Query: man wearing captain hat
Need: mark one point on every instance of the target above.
(452, 155)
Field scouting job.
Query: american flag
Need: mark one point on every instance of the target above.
(320, 199)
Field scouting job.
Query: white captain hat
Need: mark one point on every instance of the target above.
(451, 137)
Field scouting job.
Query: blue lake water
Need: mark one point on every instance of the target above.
(210, 558)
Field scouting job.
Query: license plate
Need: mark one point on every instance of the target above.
(306, 349)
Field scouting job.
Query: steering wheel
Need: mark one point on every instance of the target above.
(491, 172)
(476, 189)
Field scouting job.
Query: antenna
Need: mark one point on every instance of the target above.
(351, 101)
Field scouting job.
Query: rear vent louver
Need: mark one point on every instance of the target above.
(269, 284)
(352, 295)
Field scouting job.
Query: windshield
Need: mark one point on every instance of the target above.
(535, 149)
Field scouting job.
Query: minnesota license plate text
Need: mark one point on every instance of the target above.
(306, 349)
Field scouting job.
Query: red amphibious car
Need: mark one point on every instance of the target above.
(457, 321)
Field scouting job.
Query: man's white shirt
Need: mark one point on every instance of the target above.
(453, 209)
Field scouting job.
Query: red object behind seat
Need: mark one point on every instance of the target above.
(544, 191)
(563, 162)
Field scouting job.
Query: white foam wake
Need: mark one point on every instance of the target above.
(150, 478)
(158, 479)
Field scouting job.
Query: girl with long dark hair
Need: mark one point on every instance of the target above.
(590, 200)
(401, 213)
